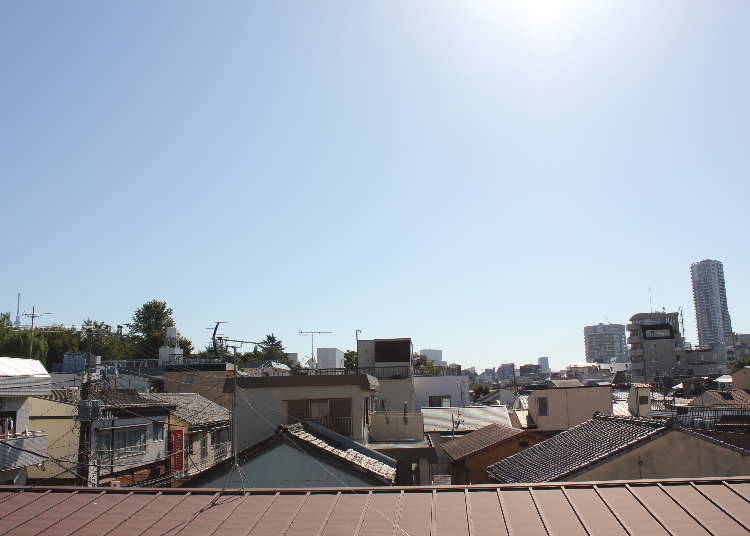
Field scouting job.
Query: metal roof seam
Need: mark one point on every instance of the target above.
(231, 512)
(118, 503)
(296, 513)
(130, 516)
(731, 488)
(649, 510)
(717, 505)
(469, 520)
(501, 503)
(162, 516)
(686, 510)
(95, 497)
(361, 520)
(539, 512)
(25, 505)
(612, 511)
(50, 507)
(433, 514)
(328, 514)
(397, 516)
(575, 512)
(262, 514)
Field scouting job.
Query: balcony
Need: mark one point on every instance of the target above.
(20, 450)
(340, 425)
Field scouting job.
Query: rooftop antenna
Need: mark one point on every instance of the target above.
(18, 312)
(34, 315)
(650, 303)
(213, 335)
(312, 334)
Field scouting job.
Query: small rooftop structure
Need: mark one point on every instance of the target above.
(563, 384)
(679, 506)
(23, 377)
(464, 419)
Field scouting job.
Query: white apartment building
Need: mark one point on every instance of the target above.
(605, 343)
(710, 298)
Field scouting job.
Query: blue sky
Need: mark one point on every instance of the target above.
(484, 177)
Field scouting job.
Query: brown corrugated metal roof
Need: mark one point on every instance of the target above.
(708, 506)
(478, 440)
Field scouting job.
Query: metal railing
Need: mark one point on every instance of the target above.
(379, 372)
(340, 425)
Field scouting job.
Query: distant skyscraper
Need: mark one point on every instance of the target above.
(710, 297)
(605, 343)
(543, 363)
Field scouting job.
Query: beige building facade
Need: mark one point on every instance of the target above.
(562, 408)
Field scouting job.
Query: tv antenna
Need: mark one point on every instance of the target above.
(33, 315)
(312, 334)
(213, 335)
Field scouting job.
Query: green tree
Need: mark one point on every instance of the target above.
(15, 343)
(422, 365)
(480, 390)
(187, 346)
(148, 325)
(351, 359)
(60, 340)
(740, 363)
(271, 349)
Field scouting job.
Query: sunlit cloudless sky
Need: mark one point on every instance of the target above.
(484, 177)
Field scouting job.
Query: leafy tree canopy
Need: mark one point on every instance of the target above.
(351, 359)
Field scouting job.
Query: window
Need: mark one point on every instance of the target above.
(643, 400)
(204, 444)
(189, 445)
(127, 442)
(158, 431)
(188, 378)
(542, 405)
(439, 401)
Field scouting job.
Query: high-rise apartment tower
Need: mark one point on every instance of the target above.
(710, 297)
(605, 343)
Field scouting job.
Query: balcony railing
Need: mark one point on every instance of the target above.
(379, 372)
(22, 450)
(340, 425)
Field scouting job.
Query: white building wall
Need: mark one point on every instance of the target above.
(457, 387)
(330, 358)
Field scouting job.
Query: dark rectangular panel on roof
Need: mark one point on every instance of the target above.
(393, 351)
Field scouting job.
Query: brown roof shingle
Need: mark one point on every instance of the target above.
(478, 440)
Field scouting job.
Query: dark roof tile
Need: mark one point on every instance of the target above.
(574, 449)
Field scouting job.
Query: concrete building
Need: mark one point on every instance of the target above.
(506, 370)
(654, 340)
(390, 361)
(129, 437)
(341, 403)
(330, 358)
(199, 435)
(24, 443)
(543, 363)
(530, 370)
(605, 343)
(441, 391)
(564, 407)
(170, 351)
(710, 298)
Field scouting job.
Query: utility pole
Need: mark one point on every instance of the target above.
(33, 315)
(312, 341)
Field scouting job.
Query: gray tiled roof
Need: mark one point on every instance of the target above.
(192, 408)
(574, 449)
(355, 457)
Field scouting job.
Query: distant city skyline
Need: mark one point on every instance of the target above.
(484, 177)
